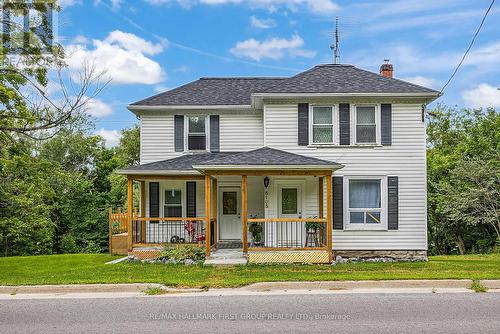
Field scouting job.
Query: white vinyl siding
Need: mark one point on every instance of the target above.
(239, 131)
(404, 158)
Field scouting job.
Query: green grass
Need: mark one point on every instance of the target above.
(90, 268)
(477, 286)
(154, 291)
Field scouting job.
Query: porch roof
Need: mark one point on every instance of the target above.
(262, 159)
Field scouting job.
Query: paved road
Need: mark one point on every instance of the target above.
(340, 313)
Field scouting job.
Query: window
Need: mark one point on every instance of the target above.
(322, 125)
(366, 125)
(197, 138)
(365, 202)
(289, 200)
(173, 203)
(229, 202)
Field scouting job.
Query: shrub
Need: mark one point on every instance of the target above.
(179, 253)
(68, 244)
(92, 248)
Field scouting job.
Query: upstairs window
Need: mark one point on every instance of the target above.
(197, 136)
(366, 125)
(173, 203)
(322, 125)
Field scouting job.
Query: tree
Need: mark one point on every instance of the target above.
(456, 139)
(27, 58)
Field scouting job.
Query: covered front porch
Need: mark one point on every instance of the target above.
(269, 212)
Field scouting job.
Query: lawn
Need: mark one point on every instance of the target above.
(90, 268)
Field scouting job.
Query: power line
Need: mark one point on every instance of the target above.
(469, 48)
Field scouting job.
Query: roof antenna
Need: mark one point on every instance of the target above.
(335, 47)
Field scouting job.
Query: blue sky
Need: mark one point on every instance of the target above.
(148, 46)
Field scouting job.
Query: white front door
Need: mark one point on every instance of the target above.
(290, 234)
(230, 226)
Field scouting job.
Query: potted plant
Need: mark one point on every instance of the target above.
(256, 230)
(313, 226)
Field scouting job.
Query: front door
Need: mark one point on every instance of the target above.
(290, 234)
(230, 226)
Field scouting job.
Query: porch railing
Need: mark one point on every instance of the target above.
(118, 221)
(176, 230)
(287, 233)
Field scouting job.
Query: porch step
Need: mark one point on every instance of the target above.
(229, 245)
(228, 257)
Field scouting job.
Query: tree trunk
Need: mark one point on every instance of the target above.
(461, 244)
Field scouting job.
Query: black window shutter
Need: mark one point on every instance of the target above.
(179, 133)
(214, 133)
(338, 203)
(154, 199)
(303, 124)
(386, 126)
(393, 202)
(191, 199)
(345, 124)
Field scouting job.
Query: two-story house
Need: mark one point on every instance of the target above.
(328, 162)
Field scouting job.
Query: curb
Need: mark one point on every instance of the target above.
(261, 287)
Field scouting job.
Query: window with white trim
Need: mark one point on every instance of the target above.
(366, 125)
(322, 125)
(196, 133)
(173, 203)
(364, 202)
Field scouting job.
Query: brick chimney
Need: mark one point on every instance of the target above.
(386, 69)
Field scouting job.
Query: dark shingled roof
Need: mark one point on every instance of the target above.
(262, 156)
(328, 78)
(212, 91)
(266, 156)
(331, 78)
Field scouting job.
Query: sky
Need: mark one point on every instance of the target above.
(150, 46)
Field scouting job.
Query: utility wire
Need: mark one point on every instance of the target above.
(469, 48)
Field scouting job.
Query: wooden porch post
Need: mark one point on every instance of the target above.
(329, 227)
(244, 213)
(143, 210)
(214, 209)
(130, 198)
(320, 196)
(207, 215)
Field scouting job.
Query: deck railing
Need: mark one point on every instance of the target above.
(287, 233)
(118, 221)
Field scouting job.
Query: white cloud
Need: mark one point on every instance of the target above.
(422, 81)
(98, 108)
(274, 48)
(323, 7)
(483, 95)
(262, 23)
(68, 3)
(132, 42)
(183, 69)
(111, 137)
(161, 89)
(116, 4)
(121, 55)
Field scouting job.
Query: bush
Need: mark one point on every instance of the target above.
(179, 253)
(68, 244)
(92, 248)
